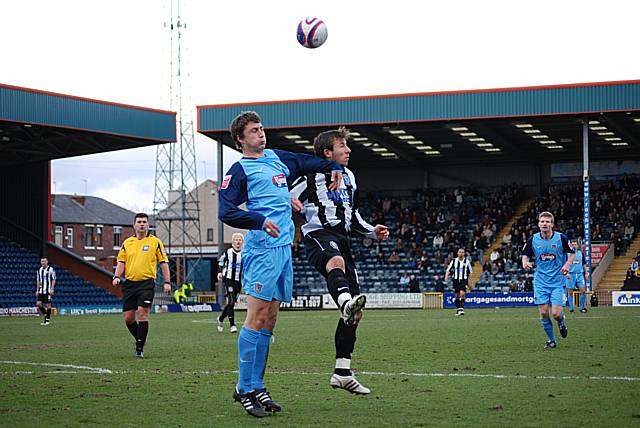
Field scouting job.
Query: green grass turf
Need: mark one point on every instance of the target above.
(187, 376)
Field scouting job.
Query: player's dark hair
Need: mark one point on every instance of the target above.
(240, 122)
(325, 140)
(140, 215)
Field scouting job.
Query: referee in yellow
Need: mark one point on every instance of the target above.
(136, 271)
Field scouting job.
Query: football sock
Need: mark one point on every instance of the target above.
(572, 306)
(338, 287)
(232, 315)
(260, 363)
(583, 300)
(133, 329)
(48, 314)
(457, 302)
(462, 302)
(345, 341)
(143, 329)
(547, 325)
(560, 321)
(247, 343)
(223, 315)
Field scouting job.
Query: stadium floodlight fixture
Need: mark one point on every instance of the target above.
(302, 141)
(620, 144)
(524, 125)
(476, 139)
(424, 147)
(5, 138)
(598, 128)
(613, 139)
(360, 138)
(547, 142)
(379, 149)
(292, 137)
(605, 133)
(354, 133)
(415, 142)
(27, 125)
(484, 145)
(388, 155)
(594, 122)
(468, 134)
(367, 144)
(460, 129)
(492, 149)
(555, 147)
(540, 137)
(309, 147)
(397, 131)
(636, 119)
(406, 137)
(531, 131)
(432, 152)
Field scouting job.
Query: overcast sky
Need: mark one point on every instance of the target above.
(119, 51)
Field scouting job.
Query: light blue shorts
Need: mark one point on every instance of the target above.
(268, 273)
(576, 281)
(547, 295)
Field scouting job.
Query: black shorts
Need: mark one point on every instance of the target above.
(322, 245)
(231, 289)
(137, 293)
(44, 298)
(460, 285)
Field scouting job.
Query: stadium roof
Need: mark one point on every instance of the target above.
(37, 125)
(530, 124)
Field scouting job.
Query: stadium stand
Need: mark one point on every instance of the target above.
(17, 282)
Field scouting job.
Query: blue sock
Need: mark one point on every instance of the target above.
(583, 300)
(260, 363)
(547, 325)
(247, 344)
(572, 306)
(561, 321)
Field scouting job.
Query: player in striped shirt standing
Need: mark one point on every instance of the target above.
(45, 283)
(231, 277)
(459, 269)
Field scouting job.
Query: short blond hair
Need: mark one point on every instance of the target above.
(546, 214)
(237, 235)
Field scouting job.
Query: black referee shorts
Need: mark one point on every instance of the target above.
(231, 289)
(460, 285)
(137, 293)
(322, 245)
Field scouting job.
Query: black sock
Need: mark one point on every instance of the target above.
(232, 315)
(457, 300)
(345, 341)
(133, 329)
(336, 280)
(223, 315)
(143, 329)
(48, 315)
(462, 302)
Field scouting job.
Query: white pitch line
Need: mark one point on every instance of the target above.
(63, 366)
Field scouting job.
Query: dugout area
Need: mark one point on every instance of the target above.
(444, 139)
(38, 126)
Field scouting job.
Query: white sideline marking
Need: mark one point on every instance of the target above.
(217, 372)
(205, 321)
(63, 366)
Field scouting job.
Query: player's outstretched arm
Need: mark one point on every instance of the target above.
(232, 194)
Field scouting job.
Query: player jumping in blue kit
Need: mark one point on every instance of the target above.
(259, 179)
(549, 249)
(576, 278)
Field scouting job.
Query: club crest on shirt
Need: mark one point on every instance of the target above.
(333, 244)
(547, 257)
(145, 248)
(554, 246)
(225, 182)
(279, 180)
(346, 180)
(258, 287)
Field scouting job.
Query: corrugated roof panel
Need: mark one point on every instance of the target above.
(552, 100)
(35, 107)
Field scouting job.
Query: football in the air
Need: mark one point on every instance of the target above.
(312, 33)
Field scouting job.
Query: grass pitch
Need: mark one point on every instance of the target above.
(425, 368)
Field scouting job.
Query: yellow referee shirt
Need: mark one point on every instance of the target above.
(141, 256)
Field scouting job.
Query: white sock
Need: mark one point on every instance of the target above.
(343, 298)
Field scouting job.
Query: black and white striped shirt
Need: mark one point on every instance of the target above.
(46, 277)
(231, 265)
(460, 269)
(334, 210)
